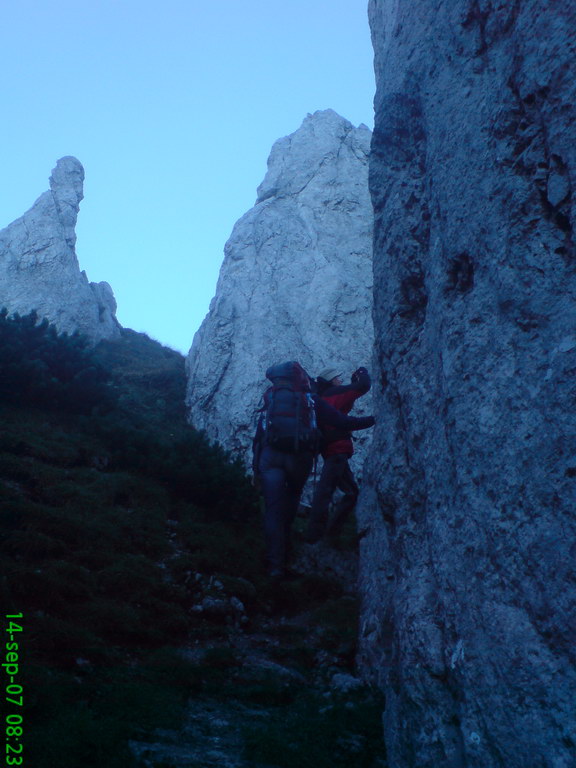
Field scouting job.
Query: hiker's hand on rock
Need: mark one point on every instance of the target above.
(357, 373)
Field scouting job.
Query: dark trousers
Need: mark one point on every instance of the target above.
(336, 473)
(282, 478)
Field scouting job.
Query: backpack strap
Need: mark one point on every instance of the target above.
(297, 438)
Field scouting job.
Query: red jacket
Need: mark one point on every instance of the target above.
(343, 398)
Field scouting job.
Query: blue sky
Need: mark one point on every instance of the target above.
(172, 107)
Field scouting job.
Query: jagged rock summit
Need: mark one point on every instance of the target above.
(38, 265)
(296, 280)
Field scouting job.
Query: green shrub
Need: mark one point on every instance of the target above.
(40, 367)
(314, 732)
(110, 502)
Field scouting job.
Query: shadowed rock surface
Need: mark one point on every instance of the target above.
(468, 563)
(39, 268)
(296, 281)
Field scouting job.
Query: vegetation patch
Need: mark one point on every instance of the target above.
(98, 470)
(133, 547)
(318, 731)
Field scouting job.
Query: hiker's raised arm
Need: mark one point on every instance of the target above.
(328, 416)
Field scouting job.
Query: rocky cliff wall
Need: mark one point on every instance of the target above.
(468, 565)
(296, 281)
(39, 268)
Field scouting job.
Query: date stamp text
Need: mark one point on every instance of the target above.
(13, 690)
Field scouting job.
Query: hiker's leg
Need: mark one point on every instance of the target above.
(274, 489)
(349, 486)
(298, 472)
(321, 500)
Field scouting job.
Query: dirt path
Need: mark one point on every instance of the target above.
(279, 685)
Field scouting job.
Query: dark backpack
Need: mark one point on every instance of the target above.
(288, 420)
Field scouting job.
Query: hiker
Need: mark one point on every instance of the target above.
(336, 448)
(284, 447)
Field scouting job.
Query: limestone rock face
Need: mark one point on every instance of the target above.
(39, 268)
(468, 565)
(296, 279)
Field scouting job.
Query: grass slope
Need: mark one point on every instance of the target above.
(115, 524)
